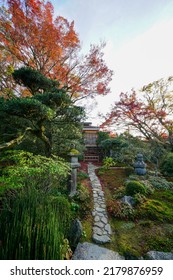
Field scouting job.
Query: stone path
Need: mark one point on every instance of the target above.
(101, 229)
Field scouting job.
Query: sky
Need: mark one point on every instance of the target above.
(138, 36)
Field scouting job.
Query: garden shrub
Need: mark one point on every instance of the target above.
(120, 210)
(134, 177)
(148, 186)
(166, 166)
(22, 167)
(114, 207)
(164, 195)
(133, 187)
(83, 193)
(75, 207)
(139, 198)
(160, 183)
(82, 175)
(108, 162)
(120, 192)
(83, 199)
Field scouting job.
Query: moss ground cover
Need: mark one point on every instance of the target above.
(151, 225)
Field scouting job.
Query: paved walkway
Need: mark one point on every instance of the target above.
(101, 229)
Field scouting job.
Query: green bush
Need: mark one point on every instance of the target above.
(82, 175)
(134, 187)
(139, 198)
(119, 193)
(22, 167)
(108, 162)
(83, 199)
(148, 186)
(160, 183)
(83, 193)
(166, 166)
(120, 210)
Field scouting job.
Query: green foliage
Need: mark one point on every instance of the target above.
(74, 152)
(75, 207)
(164, 195)
(34, 225)
(156, 210)
(119, 210)
(139, 198)
(160, 183)
(48, 117)
(166, 166)
(101, 136)
(83, 193)
(120, 192)
(148, 186)
(83, 199)
(27, 108)
(57, 100)
(124, 149)
(134, 187)
(159, 243)
(82, 175)
(114, 144)
(108, 162)
(33, 80)
(22, 167)
(67, 131)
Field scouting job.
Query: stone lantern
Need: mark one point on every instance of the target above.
(73, 178)
(140, 165)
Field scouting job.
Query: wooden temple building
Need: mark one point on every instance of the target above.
(90, 137)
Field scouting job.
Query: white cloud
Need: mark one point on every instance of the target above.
(137, 56)
(145, 59)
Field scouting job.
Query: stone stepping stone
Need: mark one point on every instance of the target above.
(101, 239)
(89, 251)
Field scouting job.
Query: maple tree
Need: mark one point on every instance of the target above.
(31, 36)
(149, 113)
(7, 65)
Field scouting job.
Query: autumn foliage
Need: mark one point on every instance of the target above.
(32, 37)
(149, 112)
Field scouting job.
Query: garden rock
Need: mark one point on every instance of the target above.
(156, 255)
(75, 232)
(127, 199)
(89, 251)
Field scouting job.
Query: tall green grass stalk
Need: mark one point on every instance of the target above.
(34, 226)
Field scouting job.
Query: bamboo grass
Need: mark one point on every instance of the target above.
(35, 226)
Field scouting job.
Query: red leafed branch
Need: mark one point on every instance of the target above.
(30, 35)
(150, 113)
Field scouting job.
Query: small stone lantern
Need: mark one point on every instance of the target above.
(73, 178)
(140, 165)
